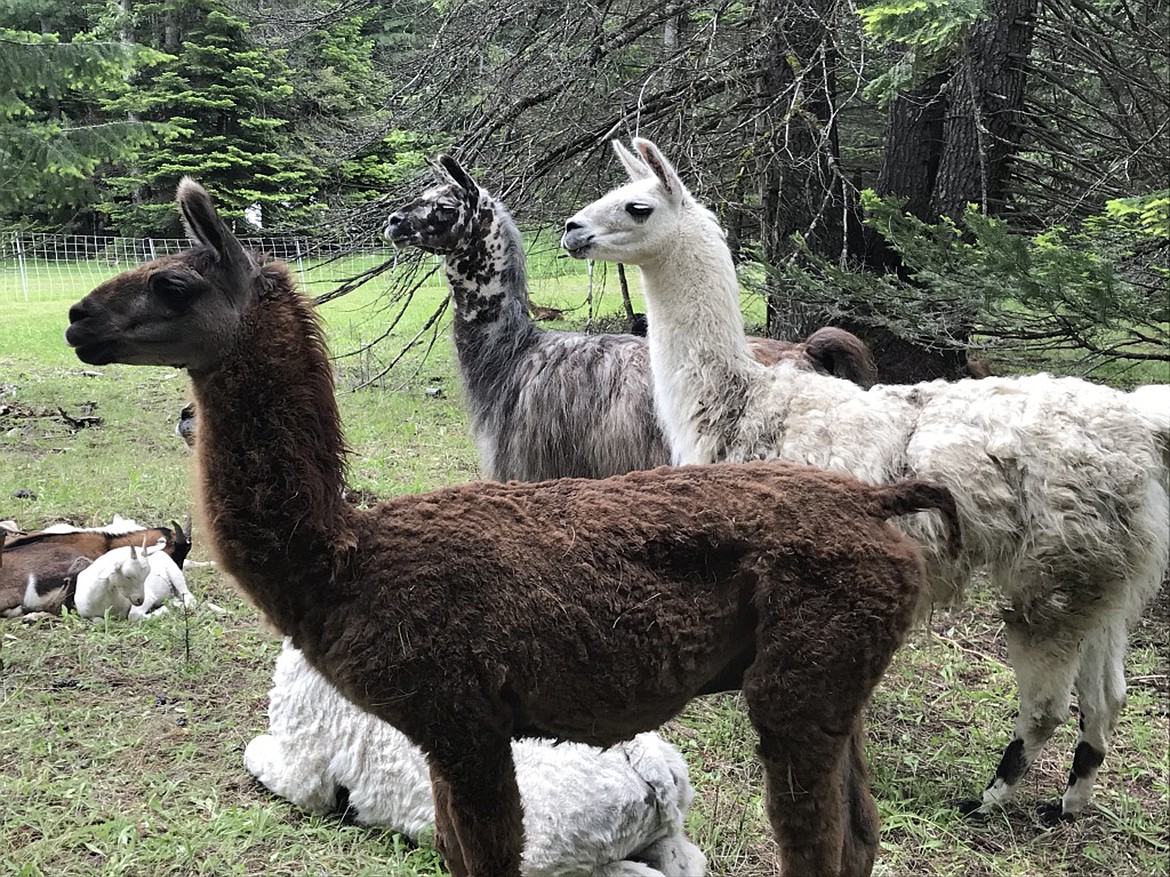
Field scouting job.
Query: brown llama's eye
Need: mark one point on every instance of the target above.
(641, 212)
(174, 287)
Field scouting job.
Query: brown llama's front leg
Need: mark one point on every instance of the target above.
(804, 781)
(481, 827)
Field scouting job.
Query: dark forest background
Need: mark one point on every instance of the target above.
(946, 177)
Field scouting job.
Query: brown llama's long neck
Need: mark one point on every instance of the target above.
(271, 454)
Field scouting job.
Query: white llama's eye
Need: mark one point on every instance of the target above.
(639, 211)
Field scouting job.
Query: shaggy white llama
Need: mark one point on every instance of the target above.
(1061, 484)
(610, 813)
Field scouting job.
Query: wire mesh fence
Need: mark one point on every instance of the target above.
(35, 267)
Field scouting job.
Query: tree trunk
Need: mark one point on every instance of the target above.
(950, 141)
(985, 125)
(796, 147)
(914, 145)
(910, 161)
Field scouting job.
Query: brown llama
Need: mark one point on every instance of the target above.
(577, 609)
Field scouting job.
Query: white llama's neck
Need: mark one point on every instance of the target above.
(698, 352)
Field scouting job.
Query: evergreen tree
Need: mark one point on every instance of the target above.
(341, 96)
(53, 136)
(226, 100)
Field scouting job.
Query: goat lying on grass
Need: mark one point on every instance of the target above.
(587, 812)
(40, 568)
(111, 585)
(582, 610)
(164, 581)
(1061, 483)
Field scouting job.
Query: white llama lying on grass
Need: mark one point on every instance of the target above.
(616, 812)
(1061, 484)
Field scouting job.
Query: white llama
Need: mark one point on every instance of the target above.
(1061, 484)
(587, 812)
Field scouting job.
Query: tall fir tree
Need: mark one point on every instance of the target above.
(225, 99)
(53, 135)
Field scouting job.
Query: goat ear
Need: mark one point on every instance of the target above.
(661, 168)
(203, 225)
(634, 166)
(457, 174)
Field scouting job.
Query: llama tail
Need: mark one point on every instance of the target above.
(913, 495)
(843, 355)
(1152, 404)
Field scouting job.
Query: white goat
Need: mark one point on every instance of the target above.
(610, 813)
(1061, 484)
(114, 583)
(165, 580)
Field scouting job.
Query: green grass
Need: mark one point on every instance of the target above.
(122, 746)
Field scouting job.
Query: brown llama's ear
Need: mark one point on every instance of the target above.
(203, 225)
(634, 166)
(661, 168)
(457, 174)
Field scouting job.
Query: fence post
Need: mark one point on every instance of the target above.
(19, 247)
(301, 266)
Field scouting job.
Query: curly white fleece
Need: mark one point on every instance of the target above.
(612, 813)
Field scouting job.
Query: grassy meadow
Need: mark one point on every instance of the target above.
(122, 745)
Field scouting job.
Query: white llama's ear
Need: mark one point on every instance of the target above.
(660, 167)
(203, 225)
(634, 166)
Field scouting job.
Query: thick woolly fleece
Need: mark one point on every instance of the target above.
(616, 812)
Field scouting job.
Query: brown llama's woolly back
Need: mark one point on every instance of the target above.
(584, 610)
